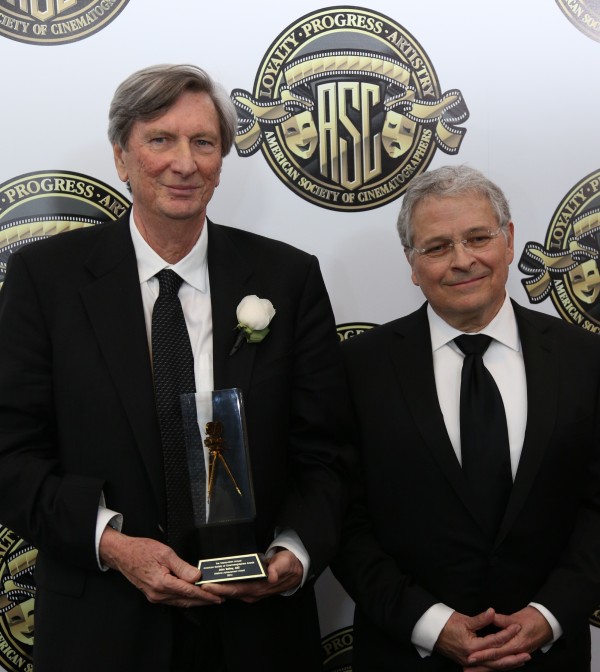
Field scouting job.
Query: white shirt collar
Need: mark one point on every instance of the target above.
(193, 268)
(502, 328)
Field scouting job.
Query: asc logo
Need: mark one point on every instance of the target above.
(584, 15)
(347, 108)
(352, 329)
(56, 21)
(41, 204)
(566, 265)
(34, 206)
(337, 651)
(17, 596)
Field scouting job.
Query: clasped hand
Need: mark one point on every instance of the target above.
(521, 633)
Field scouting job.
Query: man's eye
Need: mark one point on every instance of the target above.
(479, 241)
(436, 250)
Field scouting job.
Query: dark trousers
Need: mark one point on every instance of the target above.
(197, 644)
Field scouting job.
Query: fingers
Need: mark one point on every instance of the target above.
(155, 569)
(252, 590)
(164, 578)
(460, 642)
(481, 620)
(169, 589)
(521, 633)
(246, 591)
(284, 566)
(183, 570)
(533, 632)
(496, 639)
(284, 573)
(508, 663)
(505, 663)
(160, 586)
(458, 635)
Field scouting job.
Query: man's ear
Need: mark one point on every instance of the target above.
(118, 154)
(409, 257)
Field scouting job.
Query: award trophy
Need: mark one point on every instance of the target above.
(220, 478)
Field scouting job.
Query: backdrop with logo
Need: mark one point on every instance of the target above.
(340, 106)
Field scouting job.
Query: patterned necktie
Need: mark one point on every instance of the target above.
(173, 367)
(483, 432)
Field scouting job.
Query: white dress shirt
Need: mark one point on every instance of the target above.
(194, 295)
(504, 360)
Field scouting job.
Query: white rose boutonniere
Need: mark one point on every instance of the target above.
(254, 316)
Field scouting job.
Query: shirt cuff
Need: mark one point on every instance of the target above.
(290, 540)
(427, 629)
(557, 631)
(105, 517)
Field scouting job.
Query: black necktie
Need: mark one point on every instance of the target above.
(173, 366)
(483, 432)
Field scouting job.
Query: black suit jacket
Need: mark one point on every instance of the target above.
(77, 418)
(413, 536)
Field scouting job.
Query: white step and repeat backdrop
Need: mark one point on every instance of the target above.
(378, 93)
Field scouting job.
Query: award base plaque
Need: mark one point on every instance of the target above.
(232, 568)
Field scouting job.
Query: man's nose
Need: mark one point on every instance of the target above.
(183, 159)
(461, 255)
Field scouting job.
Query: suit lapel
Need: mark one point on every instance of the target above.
(229, 272)
(411, 353)
(114, 306)
(539, 352)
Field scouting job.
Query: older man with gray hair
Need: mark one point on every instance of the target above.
(91, 440)
(472, 542)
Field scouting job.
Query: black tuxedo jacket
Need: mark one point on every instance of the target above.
(77, 419)
(413, 535)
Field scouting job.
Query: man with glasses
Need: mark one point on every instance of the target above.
(473, 537)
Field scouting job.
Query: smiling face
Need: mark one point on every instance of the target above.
(585, 280)
(300, 134)
(465, 288)
(21, 621)
(173, 162)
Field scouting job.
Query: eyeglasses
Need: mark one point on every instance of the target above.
(474, 242)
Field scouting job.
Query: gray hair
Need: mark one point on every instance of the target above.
(449, 181)
(148, 93)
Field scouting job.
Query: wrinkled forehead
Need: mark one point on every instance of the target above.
(206, 111)
(451, 216)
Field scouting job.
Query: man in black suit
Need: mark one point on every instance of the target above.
(437, 584)
(81, 464)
